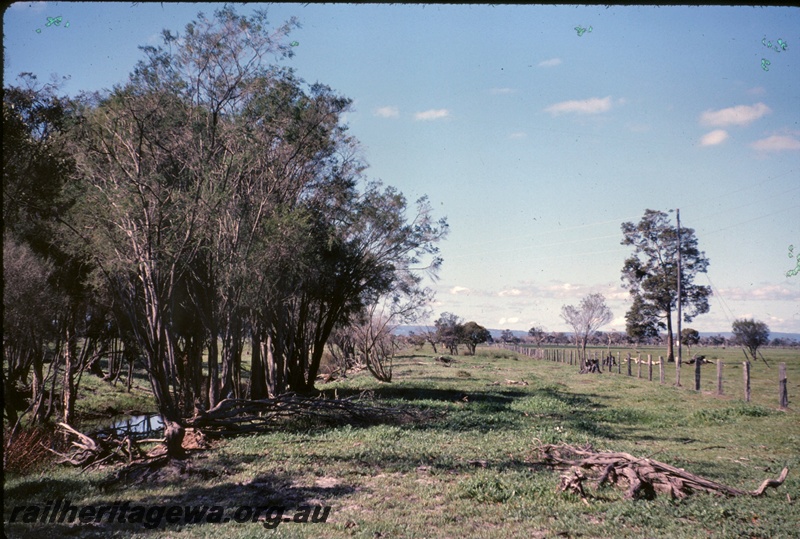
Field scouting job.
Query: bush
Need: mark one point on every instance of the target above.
(28, 452)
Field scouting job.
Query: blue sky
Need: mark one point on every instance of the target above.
(534, 138)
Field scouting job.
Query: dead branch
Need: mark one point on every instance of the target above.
(88, 452)
(238, 416)
(644, 477)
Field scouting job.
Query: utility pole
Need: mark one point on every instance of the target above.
(678, 216)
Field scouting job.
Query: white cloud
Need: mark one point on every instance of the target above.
(776, 143)
(387, 112)
(504, 321)
(739, 115)
(713, 138)
(552, 62)
(433, 114)
(459, 290)
(510, 292)
(593, 105)
(500, 91)
(770, 292)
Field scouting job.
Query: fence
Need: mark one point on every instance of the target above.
(608, 361)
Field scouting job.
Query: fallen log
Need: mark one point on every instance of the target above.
(645, 477)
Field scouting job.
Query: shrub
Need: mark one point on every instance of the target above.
(27, 451)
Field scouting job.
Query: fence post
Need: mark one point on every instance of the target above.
(698, 363)
(783, 386)
(619, 363)
(649, 367)
(677, 373)
(746, 366)
(638, 365)
(661, 369)
(719, 377)
(629, 364)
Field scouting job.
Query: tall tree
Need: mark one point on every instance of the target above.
(586, 319)
(651, 274)
(160, 162)
(751, 334)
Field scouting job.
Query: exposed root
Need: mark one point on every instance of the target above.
(644, 477)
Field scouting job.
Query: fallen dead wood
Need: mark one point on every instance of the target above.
(238, 416)
(644, 477)
(88, 452)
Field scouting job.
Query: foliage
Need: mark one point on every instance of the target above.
(475, 334)
(651, 275)
(538, 334)
(750, 334)
(450, 331)
(690, 337)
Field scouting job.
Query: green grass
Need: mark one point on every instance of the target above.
(471, 469)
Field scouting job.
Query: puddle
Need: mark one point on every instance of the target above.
(137, 427)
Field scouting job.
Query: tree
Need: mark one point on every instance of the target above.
(592, 314)
(475, 334)
(690, 337)
(450, 331)
(223, 200)
(538, 334)
(507, 336)
(750, 334)
(650, 274)
(641, 322)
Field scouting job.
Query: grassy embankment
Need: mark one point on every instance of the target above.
(471, 471)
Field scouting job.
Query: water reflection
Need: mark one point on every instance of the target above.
(137, 427)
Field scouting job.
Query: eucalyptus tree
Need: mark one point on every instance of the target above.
(160, 163)
(651, 275)
(586, 319)
(37, 194)
(223, 200)
(751, 334)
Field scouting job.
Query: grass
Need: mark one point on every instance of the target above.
(471, 470)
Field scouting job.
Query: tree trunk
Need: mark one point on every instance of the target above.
(213, 371)
(173, 433)
(258, 381)
(670, 343)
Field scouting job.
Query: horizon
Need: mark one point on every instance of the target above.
(534, 139)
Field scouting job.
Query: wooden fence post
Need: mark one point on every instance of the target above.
(619, 364)
(661, 369)
(638, 365)
(677, 373)
(629, 364)
(783, 386)
(719, 377)
(698, 363)
(746, 366)
(649, 367)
